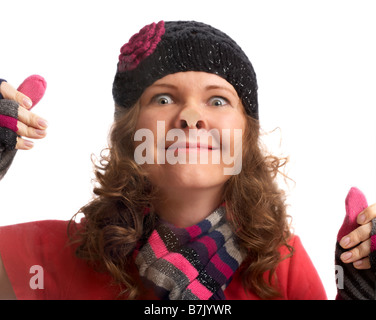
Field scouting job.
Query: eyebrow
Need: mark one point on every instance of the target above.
(215, 87)
(209, 87)
(165, 85)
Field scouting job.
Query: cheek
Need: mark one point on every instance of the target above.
(148, 118)
(144, 121)
(230, 127)
(231, 119)
(232, 132)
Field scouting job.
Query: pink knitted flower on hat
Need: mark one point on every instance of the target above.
(140, 46)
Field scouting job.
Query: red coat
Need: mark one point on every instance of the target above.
(40, 265)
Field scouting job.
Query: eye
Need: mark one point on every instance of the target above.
(218, 101)
(163, 99)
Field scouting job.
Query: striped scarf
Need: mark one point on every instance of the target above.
(194, 263)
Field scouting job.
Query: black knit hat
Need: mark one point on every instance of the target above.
(164, 48)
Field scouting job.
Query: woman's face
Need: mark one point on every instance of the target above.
(189, 131)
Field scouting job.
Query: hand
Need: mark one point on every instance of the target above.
(359, 240)
(29, 124)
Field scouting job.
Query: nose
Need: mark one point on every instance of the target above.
(190, 118)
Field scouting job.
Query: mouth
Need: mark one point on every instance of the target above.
(190, 146)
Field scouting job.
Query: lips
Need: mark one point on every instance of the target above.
(190, 146)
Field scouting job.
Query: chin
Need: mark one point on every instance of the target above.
(188, 176)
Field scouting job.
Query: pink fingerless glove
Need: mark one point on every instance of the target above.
(355, 203)
(34, 87)
(353, 284)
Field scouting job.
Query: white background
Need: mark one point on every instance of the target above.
(316, 68)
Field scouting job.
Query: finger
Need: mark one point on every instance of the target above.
(357, 253)
(30, 132)
(23, 144)
(31, 119)
(367, 214)
(357, 236)
(362, 264)
(10, 93)
(23, 100)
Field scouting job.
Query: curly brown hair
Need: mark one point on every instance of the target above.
(114, 221)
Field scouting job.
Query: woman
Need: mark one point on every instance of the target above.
(184, 207)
